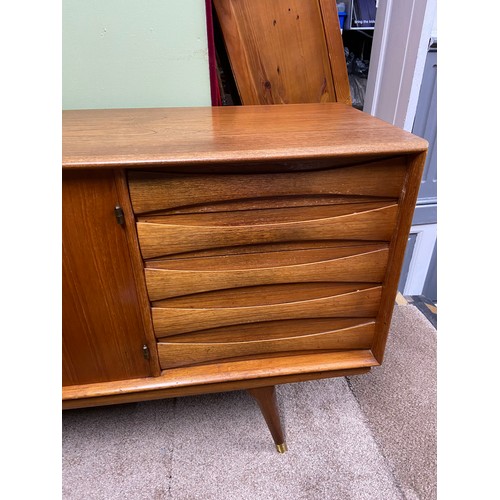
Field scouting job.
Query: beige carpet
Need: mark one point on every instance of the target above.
(367, 437)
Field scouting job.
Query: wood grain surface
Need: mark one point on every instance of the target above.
(230, 373)
(146, 394)
(275, 257)
(336, 52)
(270, 330)
(174, 354)
(263, 204)
(397, 252)
(175, 235)
(283, 215)
(279, 53)
(137, 266)
(103, 330)
(362, 267)
(261, 295)
(357, 303)
(268, 404)
(156, 191)
(271, 240)
(202, 137)
(262, 249)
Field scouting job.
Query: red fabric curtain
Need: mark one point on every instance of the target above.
(212, 60)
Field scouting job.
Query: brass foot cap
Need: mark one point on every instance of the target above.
(281, 448)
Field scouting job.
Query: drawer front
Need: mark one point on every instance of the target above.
(157, 192)
(352, 302)
(275, 302)
(262, 339)
(251, 265)
(178, 234)
(172, 278)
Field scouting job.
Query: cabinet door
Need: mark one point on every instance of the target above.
(103, 330)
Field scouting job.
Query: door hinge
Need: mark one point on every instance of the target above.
(145, 351)
(120, 217)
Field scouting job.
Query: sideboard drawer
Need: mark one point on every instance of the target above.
(354, 301)
(266, 338)
(259, 264)
(180, 234)
(362, 263)
(223, 307)
(160, 192)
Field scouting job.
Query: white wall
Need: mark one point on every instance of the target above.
(134, 53)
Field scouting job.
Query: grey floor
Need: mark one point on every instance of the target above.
(367, 437)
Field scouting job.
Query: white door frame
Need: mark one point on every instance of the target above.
(401, 37)
(403, 31)
(421, 258)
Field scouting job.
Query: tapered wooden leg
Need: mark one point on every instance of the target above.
(266, 399)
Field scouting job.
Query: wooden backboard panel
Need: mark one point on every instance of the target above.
(284, 52)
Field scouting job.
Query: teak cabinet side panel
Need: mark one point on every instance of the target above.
(397, 249)
(103, 333)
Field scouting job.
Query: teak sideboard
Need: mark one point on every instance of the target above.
(228, 248)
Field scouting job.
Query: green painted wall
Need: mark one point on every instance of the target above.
(134, 53)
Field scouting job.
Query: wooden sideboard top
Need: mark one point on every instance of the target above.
(151, 137)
